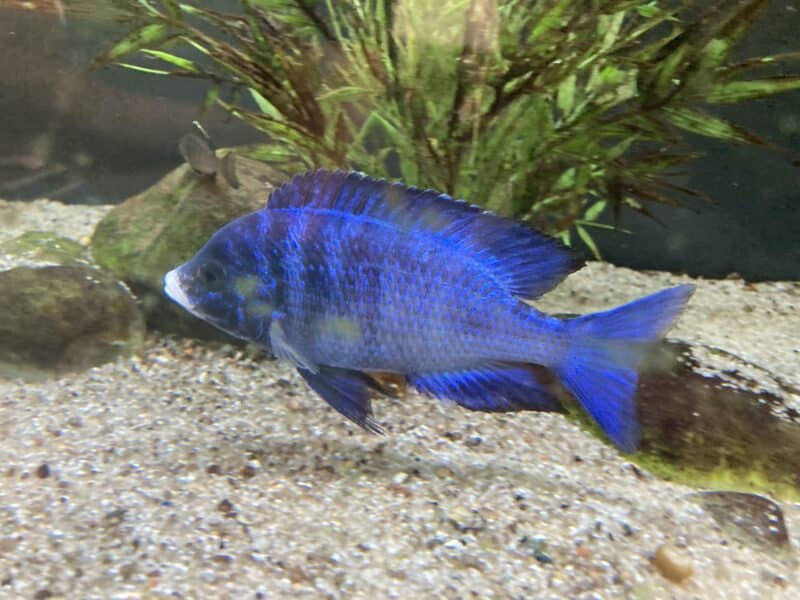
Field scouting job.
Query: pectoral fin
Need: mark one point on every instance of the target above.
(281, 348)
(346, 391)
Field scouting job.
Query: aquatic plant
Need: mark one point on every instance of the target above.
(548, 110)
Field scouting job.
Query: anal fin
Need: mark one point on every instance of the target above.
(496, 387)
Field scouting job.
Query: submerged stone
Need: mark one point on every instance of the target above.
(151, 233)
(58, 319)
(673, 563)
(42, 248)
(717, 429)
(749, 518)
(712, 428)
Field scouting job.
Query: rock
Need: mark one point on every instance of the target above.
(62, 318)
(710, 427)
(715, 428)
(67, 318)
(149, 234)
(42, 248)
(749, 518)
(673, 563)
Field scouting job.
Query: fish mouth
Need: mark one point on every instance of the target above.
(173, 289)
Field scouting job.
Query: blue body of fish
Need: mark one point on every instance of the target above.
(344, 276)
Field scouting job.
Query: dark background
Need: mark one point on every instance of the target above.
(100, 137)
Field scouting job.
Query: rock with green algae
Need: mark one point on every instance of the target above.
(149, 234)
(711, 428)
(42, 248)
(57, 319)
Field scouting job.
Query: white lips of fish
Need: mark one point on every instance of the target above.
(173, 289)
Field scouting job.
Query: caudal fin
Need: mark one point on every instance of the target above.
(607, 347)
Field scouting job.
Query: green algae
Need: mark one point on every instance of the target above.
(45, 248)
(58, 319)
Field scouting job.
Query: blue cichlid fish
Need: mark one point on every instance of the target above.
(344, 275)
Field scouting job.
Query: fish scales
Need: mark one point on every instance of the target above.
(409, 303)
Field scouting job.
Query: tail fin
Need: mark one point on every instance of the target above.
(607, 348)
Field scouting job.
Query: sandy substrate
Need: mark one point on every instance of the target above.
(197, 472)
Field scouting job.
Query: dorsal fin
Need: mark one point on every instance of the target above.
(527, 263)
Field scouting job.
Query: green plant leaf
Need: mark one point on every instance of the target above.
(595, 210)
(152, 34)
(710, 126)
(740, 91)
(178, 61)
(141, 69)
(587, 239)
(210, 98)
(346, 93)
(714, 54)
(551, 19)
(565, 98)
(608, 27)
(649, 10)
(264, 105)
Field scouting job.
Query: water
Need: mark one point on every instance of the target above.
(92, 137)
(143, 454)
(100, 137)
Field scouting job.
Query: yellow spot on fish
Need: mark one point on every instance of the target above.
(246, 285)
(341, 327)
(259, 308)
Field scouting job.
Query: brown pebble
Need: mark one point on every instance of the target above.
(673, 563)
(226, 508)
(297, 574)
(248, 471)
(115, 517)
(214, 470)
(397, 574)
(8, 545)
(127, 571)
(400, 490)
(583, 552)
(43, 471)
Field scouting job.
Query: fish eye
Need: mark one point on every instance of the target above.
(212, 274)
